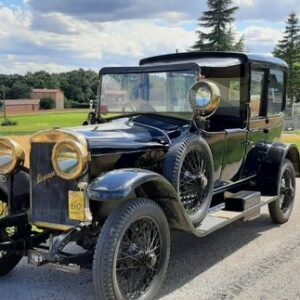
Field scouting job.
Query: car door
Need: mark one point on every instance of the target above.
(258, 122)
(235, 132)
(275, 104)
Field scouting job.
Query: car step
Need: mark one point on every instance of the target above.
(217, 219)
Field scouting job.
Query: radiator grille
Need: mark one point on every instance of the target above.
(49, 193)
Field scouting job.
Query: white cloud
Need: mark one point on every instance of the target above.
(14, 65)
(84, 42)
(260, 38)
(244, 2)
(264, 35)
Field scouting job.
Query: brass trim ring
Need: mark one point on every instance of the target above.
(82, 153)
(18, 155)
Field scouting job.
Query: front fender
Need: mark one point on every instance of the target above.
(126, 184)
(16, 189)
(272, 162)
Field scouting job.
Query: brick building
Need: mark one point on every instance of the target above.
(56, 94)
(21, 105)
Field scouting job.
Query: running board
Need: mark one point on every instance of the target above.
(218, 219)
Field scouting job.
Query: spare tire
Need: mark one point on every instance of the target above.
(189, 167)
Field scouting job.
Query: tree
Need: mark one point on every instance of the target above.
(20, 90)
(218, 20)
(288, 49)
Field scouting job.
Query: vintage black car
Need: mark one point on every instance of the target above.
(186, 141)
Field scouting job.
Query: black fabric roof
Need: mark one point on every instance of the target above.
(226, 58)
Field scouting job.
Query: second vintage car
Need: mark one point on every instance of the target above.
(186, 141)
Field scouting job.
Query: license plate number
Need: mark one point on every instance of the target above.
(76, 205)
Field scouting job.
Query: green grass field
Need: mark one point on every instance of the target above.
(28, 124)
(32, 123)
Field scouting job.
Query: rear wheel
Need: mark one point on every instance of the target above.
(281, 209)
(132, 252)
(7, 260)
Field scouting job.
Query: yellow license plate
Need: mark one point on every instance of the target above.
(76, 206)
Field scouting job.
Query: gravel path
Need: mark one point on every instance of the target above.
(249, 260)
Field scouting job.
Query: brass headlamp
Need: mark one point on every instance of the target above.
(11, 156)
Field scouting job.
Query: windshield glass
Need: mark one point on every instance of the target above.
(147, 92)
(166, 92)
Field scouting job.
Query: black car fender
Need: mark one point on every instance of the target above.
(126, 184)
(16, 188)
(271, 163)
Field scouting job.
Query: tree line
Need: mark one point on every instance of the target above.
(79, 86)
(216, 34)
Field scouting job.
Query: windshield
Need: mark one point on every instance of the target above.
(160, 92)
(166, 91)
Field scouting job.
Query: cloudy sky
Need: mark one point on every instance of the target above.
(60, 35)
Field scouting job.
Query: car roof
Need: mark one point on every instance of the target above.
(214, 59)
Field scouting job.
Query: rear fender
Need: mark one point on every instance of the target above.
(269, 170)
(126, 184)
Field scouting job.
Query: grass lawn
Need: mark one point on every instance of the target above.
(292, 138)
(32, 123)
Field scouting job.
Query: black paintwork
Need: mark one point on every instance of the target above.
(127, 152)
(193, 56)
(124, 184)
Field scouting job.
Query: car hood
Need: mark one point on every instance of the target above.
(122, 135)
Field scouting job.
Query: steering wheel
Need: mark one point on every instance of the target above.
(133, 106)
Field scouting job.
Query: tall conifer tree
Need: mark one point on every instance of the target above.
(218, 20)
(288, 48)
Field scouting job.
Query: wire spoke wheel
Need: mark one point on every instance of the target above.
(193, 181)
(287, 191)
(189, 168)
(132, 252)
(7, 260)
(7, 232)
(281, 209)
(138, 258)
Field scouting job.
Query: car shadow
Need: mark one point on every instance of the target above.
(191, 256)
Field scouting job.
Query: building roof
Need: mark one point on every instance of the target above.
(14, 102)
(46, 91)
(214, 58)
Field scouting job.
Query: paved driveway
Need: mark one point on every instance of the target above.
(249, 260)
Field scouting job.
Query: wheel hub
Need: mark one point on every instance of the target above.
(203, 180)
(150, 260)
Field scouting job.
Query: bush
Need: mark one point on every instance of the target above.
(8, 122)
(67, 103)
(75, 104)
(47, 103)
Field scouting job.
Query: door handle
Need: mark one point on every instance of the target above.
(250, 144)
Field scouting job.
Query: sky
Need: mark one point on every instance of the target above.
(62, 35)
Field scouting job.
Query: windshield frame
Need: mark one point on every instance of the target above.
(142, 69)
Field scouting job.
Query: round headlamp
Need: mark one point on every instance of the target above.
(11, 156)
(69, 159)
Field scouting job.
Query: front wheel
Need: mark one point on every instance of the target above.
(132, 252)
(281, 209)
(7, 260)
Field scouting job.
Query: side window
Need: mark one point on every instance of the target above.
(257, 80)
(275, 92)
